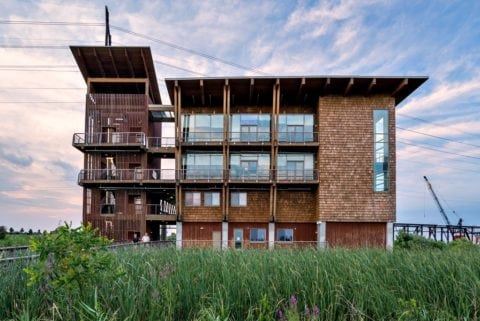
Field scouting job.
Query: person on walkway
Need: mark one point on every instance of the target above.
(146, 238)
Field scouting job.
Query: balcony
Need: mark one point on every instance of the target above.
(298, 138)
(202, 175)
(202, 138)
(126, 176)
(161, 145)
(158, 212)
(250, 138)
(245, 176)
(297, 176)
(112, 141)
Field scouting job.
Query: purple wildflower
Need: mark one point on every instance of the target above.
(293, 301)
(280, 315)
(307, 310)
(315, 310)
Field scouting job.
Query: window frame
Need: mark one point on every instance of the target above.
(193, 204)
(257, 229)
(211, 199)
(285, 229)
(381, 169)
(239, 204)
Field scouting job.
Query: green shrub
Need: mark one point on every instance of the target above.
(415, 242)
(71, 259)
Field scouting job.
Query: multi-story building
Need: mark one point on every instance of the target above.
(238, 162)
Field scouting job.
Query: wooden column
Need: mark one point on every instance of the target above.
(226, 147)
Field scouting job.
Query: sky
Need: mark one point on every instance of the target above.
(438, 126)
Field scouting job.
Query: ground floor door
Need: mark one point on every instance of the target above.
(238, 238)
(217, 239)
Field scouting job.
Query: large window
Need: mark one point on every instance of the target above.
(202, 166)
(108, 202)
(295, 128)
(257, 235)
(250, 128)
(250, 166)
(202, 128)
(238, 199)
(193, 198)
(211, 199)
(88, 201)
(285, 235)
(381, 179)
(295, 166)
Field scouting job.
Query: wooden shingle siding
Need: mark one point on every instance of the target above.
(257, 209)
(296, 206)
(345, 160)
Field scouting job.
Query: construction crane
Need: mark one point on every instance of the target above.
(456, 232)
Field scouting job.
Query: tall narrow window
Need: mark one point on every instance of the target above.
(88, 202)
(381, 178)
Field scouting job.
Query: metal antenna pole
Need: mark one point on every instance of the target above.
(108, 36)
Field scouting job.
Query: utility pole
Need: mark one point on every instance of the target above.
(108, 36)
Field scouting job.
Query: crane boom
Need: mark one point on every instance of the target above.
(437, 201)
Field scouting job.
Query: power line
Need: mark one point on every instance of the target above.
(195, 52)
(439, 137)
(439, 150)
(437, 165)
(435, 124)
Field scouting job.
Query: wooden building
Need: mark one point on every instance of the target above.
(238, 162)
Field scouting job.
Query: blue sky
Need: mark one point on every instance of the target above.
(439, 39)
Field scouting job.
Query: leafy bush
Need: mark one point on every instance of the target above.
(415, 242)
(71, 259)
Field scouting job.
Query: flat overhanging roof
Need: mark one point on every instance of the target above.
(118, 62)
(296, 88)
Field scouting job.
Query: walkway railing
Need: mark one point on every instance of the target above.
(111, 138)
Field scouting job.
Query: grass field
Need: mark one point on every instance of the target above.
(166, 284)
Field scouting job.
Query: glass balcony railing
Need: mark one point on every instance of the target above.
(111, 138)
(299, 137)
(105, 176)
(296, 175)
(125, 175)
(250, 175)
(160, 142)
(250, 137)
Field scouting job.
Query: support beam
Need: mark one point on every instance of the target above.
(179, 235)
(373, 83)
(129, 63)
(99, 63)
(321, 235)
(400, 87)
(349, 87)
(224, 235)
(389, 236)
(252, 85)
(113, 61)
(326, 86)
(301, 86)
(202, 92)
(271, 236)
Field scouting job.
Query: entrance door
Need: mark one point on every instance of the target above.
(217, 239)
(238, 238)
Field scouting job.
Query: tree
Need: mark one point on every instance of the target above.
(11, 230)
(30, 231)
(39, 232)
(3, 232)
(71, 259)
(22, 230)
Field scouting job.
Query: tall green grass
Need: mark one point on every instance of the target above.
(166, 284)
